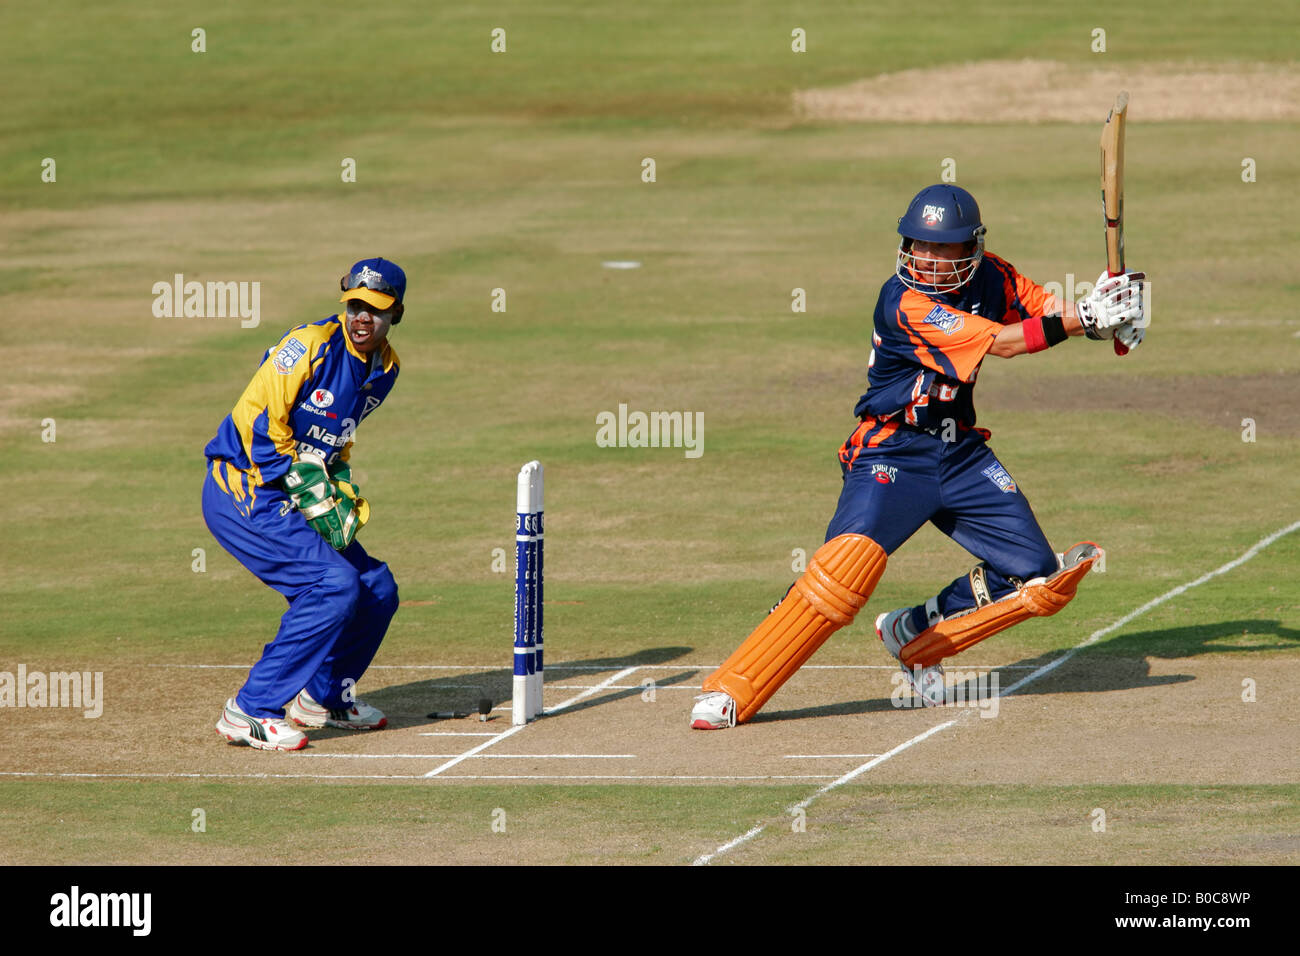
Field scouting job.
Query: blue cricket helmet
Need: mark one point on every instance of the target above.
(941, 213)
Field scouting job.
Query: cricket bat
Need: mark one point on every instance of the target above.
(1112, 190)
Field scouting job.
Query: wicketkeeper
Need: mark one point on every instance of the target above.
(279, 496)
(916, 457)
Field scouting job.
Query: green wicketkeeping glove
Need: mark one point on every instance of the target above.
(336, 512)
(342, 475)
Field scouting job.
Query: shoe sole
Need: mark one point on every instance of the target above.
(703, 724)
(344, 725)
(911, 681)
(317, 723)
(237, 736)
(916, 691)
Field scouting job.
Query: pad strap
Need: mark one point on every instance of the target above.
(1041, 597)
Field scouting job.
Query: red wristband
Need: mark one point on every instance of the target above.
(1035, 337)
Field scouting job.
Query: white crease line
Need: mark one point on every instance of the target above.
(804, 804)
(231, 776)
(545, 710)
(824, 756)
(588, 667)
(595, 688)
(476, 756)
(639, 776)
(470, 753)
(692, 689)
(1259, 546)
(411, 776)
(457, 733)
(1154, 603)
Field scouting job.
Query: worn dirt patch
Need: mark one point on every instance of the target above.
(1272, 401)
(1044, 91)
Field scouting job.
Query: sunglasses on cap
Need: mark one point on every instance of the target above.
(367, 279)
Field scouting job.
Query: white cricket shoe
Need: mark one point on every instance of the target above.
(713, 711)
(305, 712)
(895, 630)
(264, 733)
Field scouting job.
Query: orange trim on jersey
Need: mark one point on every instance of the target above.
(891, 426)
(918, 343)
(1021, 290)
(964, 341)
(1032, 295)
(1011, 316)
(855, 441)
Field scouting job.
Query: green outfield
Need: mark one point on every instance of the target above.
(513, 176)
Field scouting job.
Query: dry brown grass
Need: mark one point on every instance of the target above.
(1043, 91)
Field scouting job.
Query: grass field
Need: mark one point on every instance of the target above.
(522, 171)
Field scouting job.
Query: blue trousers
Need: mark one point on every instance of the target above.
(340, 602)
(914, 477)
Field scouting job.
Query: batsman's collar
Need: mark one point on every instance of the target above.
(379, 282)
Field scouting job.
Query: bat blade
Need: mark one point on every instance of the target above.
(1112, 183)
(1112, 190)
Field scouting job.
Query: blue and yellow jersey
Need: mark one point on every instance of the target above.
(927, 349)
(310, 393)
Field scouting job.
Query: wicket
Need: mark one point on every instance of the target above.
(529, 542)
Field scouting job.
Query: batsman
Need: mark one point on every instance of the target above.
(916, 456)
(279, 496)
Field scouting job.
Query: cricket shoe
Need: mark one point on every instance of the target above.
(715, 711)
(895, 630)
(264, 733)
(305, 712)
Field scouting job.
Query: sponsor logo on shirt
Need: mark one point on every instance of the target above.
(884, 474)
(288, 356)
(311, 409)
(322, 398)
(943, 320)
(998, 475)
(371, 404)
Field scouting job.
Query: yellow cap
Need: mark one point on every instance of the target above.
(377, 299)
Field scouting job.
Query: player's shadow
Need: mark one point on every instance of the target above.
(1119, 663)
(459, 691)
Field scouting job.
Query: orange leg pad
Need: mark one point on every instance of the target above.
(840, 577)
(1041, 599)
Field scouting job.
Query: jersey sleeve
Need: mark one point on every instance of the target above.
(261, 416)
(1033, 298)
(943, 338)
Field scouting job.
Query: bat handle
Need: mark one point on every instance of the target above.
(1120, 348)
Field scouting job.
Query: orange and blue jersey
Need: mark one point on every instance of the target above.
(904, 465)
(927, 349)
(310, 392)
